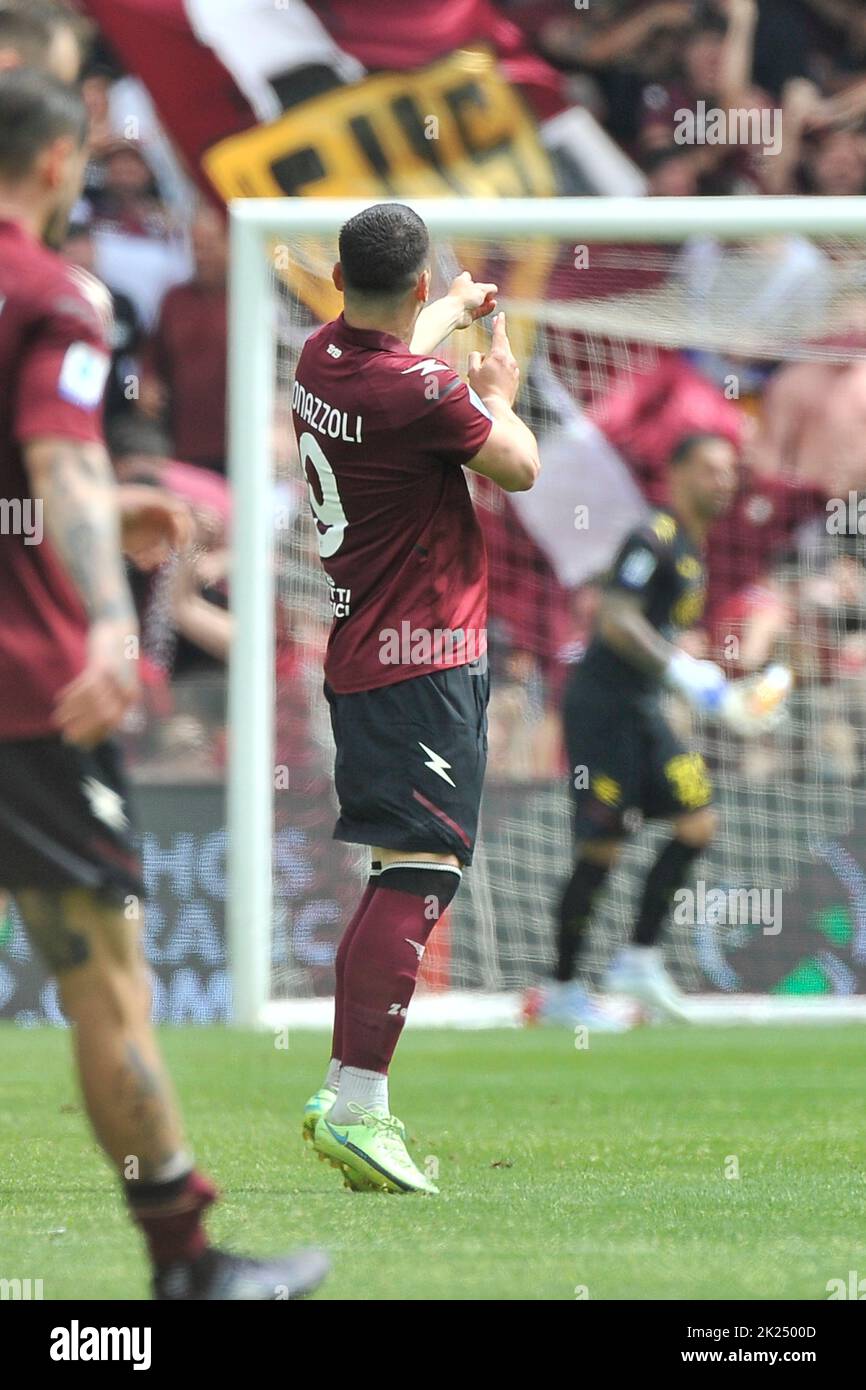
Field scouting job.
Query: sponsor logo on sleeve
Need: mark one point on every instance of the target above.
(637, 568)
(83, 375)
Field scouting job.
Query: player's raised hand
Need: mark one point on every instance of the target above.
(92, 706)
(474, 301)
(154, 524)
(496, 373)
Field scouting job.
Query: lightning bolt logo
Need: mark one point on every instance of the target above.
(437, 764)
(426, 367)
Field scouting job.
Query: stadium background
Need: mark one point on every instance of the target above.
(557, 102)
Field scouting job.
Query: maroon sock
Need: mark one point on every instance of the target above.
(383, 958)
(170, 1216)
(340, 967)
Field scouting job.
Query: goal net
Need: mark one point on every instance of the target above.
(636, 323)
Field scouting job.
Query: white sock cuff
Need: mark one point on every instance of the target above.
(422, 864)
(173, 1168)
(369, 1089)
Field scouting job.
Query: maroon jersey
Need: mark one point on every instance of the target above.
(382, 434)
(54, 361)
(189, 352)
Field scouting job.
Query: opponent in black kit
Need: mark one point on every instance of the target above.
(623, 754)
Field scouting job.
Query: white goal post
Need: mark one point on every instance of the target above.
(255, 225)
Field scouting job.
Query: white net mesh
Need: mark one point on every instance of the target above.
(624, 350)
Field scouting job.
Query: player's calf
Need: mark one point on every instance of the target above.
(381, 970)
(104, 989)
(378, 972)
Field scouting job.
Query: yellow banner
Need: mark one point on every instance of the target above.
(455, 128)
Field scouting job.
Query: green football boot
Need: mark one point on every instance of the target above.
(315, 1107)
(373, 1150)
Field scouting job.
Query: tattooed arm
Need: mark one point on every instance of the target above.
(75, 483)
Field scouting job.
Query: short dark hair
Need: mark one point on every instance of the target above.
(29, 27)
(683, 451)
(133, 435)
(29, 34)
(35, 110)
(382, 249)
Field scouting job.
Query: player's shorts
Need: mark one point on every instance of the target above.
(65, 819)
(410, 762)
(624, 756)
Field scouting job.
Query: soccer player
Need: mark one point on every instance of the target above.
(68, 644)
(622, 752)
(384, 433)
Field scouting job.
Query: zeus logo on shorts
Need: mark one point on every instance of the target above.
(437, 764)
(105, 804)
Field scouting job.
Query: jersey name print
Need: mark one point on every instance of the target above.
(398, 537)
(325, 418)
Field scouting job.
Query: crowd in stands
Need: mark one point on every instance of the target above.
(161, 249)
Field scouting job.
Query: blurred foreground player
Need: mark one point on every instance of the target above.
(384, 432)
(622, 752)
(68, 648)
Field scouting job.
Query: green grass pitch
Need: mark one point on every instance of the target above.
(608, 1170)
